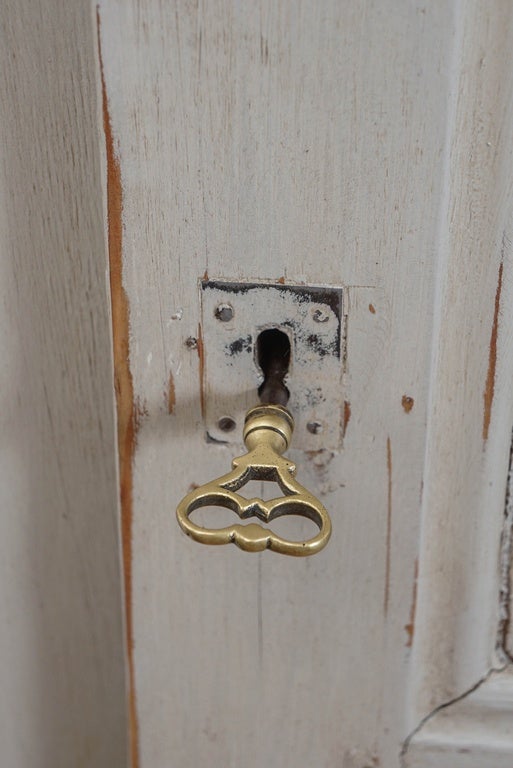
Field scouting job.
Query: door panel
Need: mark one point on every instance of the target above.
(362, 146)
(324, 143)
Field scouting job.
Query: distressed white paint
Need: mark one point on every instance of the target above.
(465, 474)
(369, 146)
(330, 143)
(476, 732)
(62, 699)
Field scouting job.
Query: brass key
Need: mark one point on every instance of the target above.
(267, 433)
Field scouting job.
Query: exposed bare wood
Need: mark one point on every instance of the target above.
(123, 385)
(492, 360)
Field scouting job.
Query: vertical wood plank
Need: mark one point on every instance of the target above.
(471, 408)
(62, 644)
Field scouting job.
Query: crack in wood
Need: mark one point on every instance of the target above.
(407, 742)
(492, 359)
(505, 565)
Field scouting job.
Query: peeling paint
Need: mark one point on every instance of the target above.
(243, 344)
(314, 396)
(332, 297)
(127, 414)
(492, 360)
(310, 317)
(319, 346)
(389, 527)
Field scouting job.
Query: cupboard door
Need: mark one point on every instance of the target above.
(364, 147)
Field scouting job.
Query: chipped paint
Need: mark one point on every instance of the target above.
(303, 294)
(318, 345)
(314, 397)
(311, 318)
(410, 627)
(347, 416)
(372, 309)
(407, 402)
(141, 412)
(320, 462)
(242, 344)
(389, 527)
(492, 360)
(126, 410)
(171, 394)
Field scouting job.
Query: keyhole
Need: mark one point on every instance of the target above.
(273, 355)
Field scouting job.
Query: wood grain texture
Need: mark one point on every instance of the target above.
(469, 431)
(334, 144)
(61, 645)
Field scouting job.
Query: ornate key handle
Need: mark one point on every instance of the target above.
(267, 433)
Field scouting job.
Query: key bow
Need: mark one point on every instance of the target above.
(267, 433)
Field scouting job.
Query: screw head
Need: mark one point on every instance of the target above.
(320, 316)
(224, 312)
(191, 342)
(226, 424)
(315, 427)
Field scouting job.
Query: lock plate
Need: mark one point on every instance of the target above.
(233, 315)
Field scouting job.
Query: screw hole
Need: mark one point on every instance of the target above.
(224, 312)
(226, 424)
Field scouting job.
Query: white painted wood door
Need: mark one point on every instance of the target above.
(364, 145)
